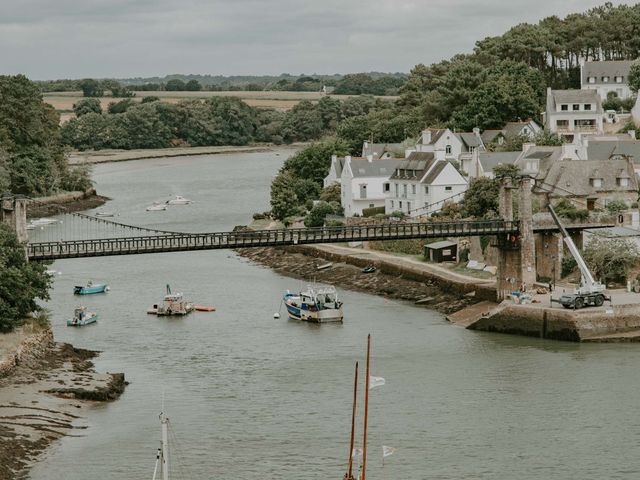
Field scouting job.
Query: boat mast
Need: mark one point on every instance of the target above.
(366, 412)
(349, 474)
(165, 447)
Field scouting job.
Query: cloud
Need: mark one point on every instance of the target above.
(124, 38)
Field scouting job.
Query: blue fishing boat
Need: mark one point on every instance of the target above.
(315, 304)
(81, 318)
(90, 288)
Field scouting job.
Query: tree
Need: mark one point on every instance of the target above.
(175, 85)
(121, 106)
(149, 99)
(313, 162)
(634, 77)
(611, 259)
(91, 88)
(283, 196)
(193, 86)
(21, 282)
(481, 199)
(317, 215)
(87, 105)
(331, 193)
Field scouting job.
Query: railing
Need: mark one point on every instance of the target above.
(264, 238)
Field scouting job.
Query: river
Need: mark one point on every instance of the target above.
(253, 397)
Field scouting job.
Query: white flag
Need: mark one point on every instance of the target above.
(356, 452)
(386, 451)
(375, 381)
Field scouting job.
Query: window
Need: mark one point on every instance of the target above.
(448, 189)
(426, 190)
(400, 203)
(387, 187)
(618, 79)
(587, 106)
(363, 191)
(396, 189)
(408, 207)
(404, 190)
(525, 131)
(576, 107)
(605, 79)
(392, 204)
(596, 182)
(562, 123)
(591, 79)
(472, 149)
(371, 205)
(413, 189)
(564, 108)
(623, 182)
(447, 149)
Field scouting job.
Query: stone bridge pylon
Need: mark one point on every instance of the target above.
(516, 254)
(13, 212)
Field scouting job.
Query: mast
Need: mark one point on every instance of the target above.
(366, 412)
(164, 421)
(349, 475)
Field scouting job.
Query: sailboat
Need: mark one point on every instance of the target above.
(162, 457)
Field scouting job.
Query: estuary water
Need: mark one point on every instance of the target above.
(253, 397)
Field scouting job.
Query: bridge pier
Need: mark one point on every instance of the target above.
(13, 212)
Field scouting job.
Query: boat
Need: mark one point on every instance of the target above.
(82, 317)
(325, 266)
(178, 200)
(43, 221)
(156, 207)
(105, 214)
(90, 288)
(172, 304)
(368, 269)
(203, 308)
(319, 304)
(53, 273)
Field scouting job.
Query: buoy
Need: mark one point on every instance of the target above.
(276, 315)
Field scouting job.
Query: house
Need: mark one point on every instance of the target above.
(607, 76)
(573, 112)
(381, 150)
(527, 129)
(363, 182)
(335, 171)
(588, 184)
(442, 142)
(481, 164)
(421, 184)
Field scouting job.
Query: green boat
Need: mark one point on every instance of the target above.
(368, 269)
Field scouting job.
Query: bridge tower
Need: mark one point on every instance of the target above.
(13, 212)
(516, 256)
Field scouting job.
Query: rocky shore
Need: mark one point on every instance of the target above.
(65, 203)
(44, 386)
(302, 262)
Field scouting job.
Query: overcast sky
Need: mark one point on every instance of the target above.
(48, 39)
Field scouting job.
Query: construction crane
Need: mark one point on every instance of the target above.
(590, 292)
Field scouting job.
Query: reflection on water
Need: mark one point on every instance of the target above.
(252, 397)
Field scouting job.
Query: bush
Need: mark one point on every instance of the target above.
(568, 265)
(564, 208)
(616, 206)
(370, 212)
(318, 213)
(611, 259)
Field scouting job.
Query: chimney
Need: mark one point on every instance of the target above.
(347, 159)
(334, 159)
(369, 158)
(366, 145)
(426, 137)
(632, 134)
(476, 131)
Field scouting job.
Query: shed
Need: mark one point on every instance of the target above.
(444, 251)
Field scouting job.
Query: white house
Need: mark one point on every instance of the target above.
(335, 170)
(605, 77)
(363, 182)
(421, 184)
(481, 164)
(573, 112)
(442, 142)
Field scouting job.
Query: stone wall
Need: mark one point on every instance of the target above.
(32, 348)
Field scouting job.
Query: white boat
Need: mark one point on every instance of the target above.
(179, 201)
(43, 221)
(172, 304)
(52, 273)
(319, 304)
(105, 214)
(156, 207)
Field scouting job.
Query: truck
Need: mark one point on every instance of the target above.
(590, 293)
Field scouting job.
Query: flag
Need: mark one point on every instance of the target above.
(386, 451)
(356, 452)
(375, 381)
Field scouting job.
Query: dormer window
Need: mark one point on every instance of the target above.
(576, 107)
(587, 106)
(447, 149)
(564, 107)
(623, 182)
(591, 79)
(618, 78)
(605, 79)
(596, 182)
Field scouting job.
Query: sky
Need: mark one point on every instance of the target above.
(49, 39)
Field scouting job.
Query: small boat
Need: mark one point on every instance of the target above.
(81, 318)
(325, 266)
(90, 288)
(368, 269)
(43, 221)
(172, 304)
(52, 273)
(178, 200)
(315, 304)
(105, 214)
(156, 207)
(202, 308)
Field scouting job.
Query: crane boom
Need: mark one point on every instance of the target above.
(588, 283)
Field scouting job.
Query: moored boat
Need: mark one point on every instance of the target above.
(172, 304)
(90, 288)
(319, 304)
(82, 317)
(105, 214)
(368, 269)
(156, 207)
(178, 200)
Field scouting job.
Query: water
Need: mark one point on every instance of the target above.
(251, 397)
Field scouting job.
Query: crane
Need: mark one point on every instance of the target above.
(590, 292)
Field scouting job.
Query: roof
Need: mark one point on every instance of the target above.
(379, 149)
(441, 244)
(575, 96)
(489, 160)
(375, 168)
(545, 155)
(470, 139)
(435, 171)
(417, 162)
(489, 136)
(436, 133)
(572, 178)
(339, 165)
(513, 129)
(609, 68)
(603, 149)
(614, 232)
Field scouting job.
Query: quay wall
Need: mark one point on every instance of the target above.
(33, 347)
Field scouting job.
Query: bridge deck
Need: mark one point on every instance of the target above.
(264, 238)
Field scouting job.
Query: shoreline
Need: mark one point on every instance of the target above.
(44, 385)
(65, 203)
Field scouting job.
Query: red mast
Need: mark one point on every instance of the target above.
(366, 412)
(349, 474)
